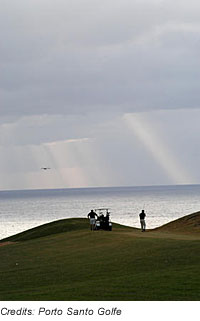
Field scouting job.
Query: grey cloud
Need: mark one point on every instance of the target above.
(36, 130)
(70, 69)
(76, 57)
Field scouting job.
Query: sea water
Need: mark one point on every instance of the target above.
(21, 210)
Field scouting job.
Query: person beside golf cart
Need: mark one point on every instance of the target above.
(92, 216)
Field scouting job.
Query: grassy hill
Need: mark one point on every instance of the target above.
(188, 224)
(56, 227)
(64, 260)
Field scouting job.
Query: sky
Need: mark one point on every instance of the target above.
(105, 93)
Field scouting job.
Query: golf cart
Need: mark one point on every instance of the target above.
(103, 219)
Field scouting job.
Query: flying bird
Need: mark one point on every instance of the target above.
(45, 168)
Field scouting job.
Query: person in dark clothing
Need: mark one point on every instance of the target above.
(107, 217)
(101, 217)
(142, 216)
(92, 216)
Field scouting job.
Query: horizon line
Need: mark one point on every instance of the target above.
(95, 187)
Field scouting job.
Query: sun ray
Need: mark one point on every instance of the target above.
(161, 153)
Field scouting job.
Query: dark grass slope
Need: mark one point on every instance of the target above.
(64, 260)
(187, 224)
(56, 227)
(60, 226)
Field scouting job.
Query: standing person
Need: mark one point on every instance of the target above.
(142, 216)
(92, 216)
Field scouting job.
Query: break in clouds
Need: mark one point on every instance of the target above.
(104, 92)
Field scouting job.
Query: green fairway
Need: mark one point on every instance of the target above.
(64, 260)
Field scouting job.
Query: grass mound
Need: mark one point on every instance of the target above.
(60, 226)
(64, 260)
(56, 227)
(187, 224)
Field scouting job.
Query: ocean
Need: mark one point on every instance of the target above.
(21, 210)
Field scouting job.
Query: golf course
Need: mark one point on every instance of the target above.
(64, 260)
